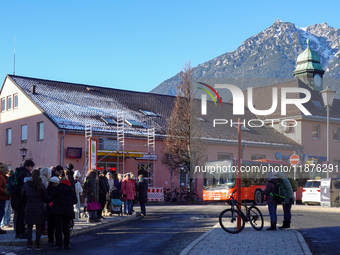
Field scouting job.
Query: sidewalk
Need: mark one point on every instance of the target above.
(248, 241)
(80, 227)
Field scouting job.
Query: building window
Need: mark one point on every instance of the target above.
(315, 131)
(24, 133)
(15, 103)
(291, 128)
(223, 156)
(335, 134)
(3, 104)
(40, 130)
(9, 103)
(256, 157)
(8, 136)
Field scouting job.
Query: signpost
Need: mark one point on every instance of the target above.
(93, 154)
(294, 159)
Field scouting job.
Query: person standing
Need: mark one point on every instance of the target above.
(69, 173)
(6, 219)
(34, 196)
(19, 209)
(272, 205)
(108, 200)
(287, 203)
(51, 227)
(63, 198)
(45, 175)
(57, 171)
(3, 194)
(142, 188)
(91, 189)
(128, 192)
(103, 192)
(78, 190)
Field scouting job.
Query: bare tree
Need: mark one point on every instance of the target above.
(183, 144)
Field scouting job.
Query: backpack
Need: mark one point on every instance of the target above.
(12, 185)
(279, 194)
(293, 183)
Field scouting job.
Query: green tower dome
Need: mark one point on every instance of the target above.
(308, 60)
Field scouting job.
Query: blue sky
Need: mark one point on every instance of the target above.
(136, 45)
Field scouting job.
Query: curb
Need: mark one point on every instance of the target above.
(193, 244)
(302, 242)
(85, 228)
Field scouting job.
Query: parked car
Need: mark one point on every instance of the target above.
(311, 192)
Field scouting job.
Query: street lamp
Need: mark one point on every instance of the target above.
(23, 153)
(328, 97)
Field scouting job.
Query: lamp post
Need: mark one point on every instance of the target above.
(23, 153)
(328, 97)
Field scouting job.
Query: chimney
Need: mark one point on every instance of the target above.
(33, 89)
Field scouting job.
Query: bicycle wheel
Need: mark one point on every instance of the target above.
(184, 198)
(228, 221)
(195, 197)
(255, 217)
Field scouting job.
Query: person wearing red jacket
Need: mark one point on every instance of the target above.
(128, 193)
(3, 194)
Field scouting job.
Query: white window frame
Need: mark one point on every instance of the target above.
(40, 128)
(3, 104)
(8, 136)
(9, 103)
(24, 133)
(317, 132)
(15, 101)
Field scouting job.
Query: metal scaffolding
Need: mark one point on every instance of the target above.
(151, 153)
(120, 138)
(88, 135)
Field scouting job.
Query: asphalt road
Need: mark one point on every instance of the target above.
(169, 229)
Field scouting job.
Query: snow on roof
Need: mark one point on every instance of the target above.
(71, 106)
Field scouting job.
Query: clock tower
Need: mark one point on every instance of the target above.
(308, 69)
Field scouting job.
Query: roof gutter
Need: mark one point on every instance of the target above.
(62, 148)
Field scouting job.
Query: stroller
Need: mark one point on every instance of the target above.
(116, 203)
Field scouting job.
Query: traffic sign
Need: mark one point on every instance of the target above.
(294, 159)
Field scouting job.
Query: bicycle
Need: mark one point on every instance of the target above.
(228, 217)
(187, 196)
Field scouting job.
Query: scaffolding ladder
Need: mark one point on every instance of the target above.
(88, 135)
(120, 138)
(151, 151)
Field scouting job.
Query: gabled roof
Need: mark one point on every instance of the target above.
(69, 106)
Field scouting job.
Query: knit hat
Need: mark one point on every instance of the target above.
(104, 172)
(76, 174)
(69, 167)
(55, 179)
(3, 167)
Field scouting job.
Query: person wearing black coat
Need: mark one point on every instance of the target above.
(18, 207)
(63, 198)
(51, 227)
(34, 197)
(142, 188)
(69, 175)
(104, 188)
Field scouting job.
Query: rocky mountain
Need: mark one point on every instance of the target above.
(268, 57)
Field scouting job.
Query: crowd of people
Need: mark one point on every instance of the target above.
(49, 199)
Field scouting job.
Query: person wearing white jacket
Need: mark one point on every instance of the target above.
(78, 190)
(45, 175)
